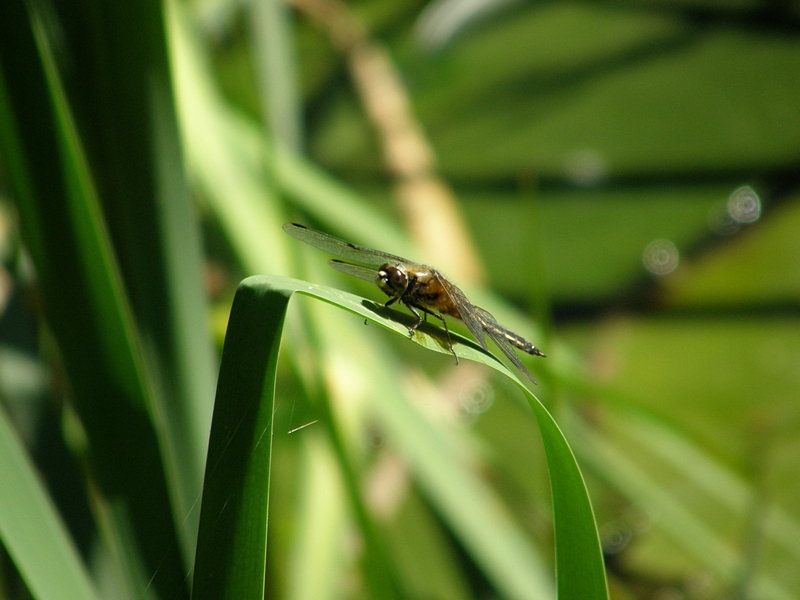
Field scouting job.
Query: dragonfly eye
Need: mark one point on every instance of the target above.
(392, 280)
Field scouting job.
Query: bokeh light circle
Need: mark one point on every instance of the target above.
(660, 257)
(744, 205)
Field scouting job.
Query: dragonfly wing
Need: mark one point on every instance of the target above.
(494, 329)
(365, 273)
(465, 309)
(340, 248)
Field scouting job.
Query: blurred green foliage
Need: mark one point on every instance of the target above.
(574, 134)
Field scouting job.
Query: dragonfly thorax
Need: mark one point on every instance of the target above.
(392, 280)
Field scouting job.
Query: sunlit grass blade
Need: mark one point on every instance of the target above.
(316, 557)
(228, 550)
(271, 31)
(227, 155)
(341, 209)
(380, 572)
(31, 529)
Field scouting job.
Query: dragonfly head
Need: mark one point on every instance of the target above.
(392, 280)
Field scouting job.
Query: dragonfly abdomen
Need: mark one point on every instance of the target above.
(518, 341)
(490, 325)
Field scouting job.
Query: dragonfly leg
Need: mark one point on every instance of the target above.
(449, 341)
(391, 301)
(446, 330)
(413, 328)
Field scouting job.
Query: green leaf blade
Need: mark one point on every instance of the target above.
(258, 313)
(232, 539)
(31, 529)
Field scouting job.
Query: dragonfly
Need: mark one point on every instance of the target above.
(420, 288)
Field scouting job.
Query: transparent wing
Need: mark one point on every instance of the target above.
(495, 331)
(365, 273)
(465, 309)
(340, 248)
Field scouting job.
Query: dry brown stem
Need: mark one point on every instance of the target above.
(430, 207)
